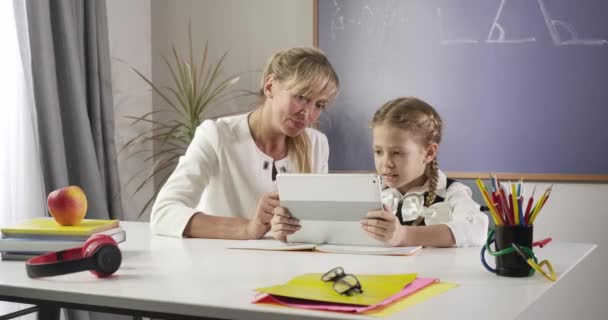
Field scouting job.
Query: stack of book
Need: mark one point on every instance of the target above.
(41, 235)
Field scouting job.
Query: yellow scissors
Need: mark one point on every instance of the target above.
(550, 274)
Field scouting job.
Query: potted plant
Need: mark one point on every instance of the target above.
(193, 89)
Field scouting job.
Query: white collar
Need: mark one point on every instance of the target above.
(412, 203)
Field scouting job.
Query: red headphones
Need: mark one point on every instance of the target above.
(100, 254)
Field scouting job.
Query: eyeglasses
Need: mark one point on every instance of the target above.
(346, 284)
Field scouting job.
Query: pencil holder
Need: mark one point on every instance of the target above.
(511, 264)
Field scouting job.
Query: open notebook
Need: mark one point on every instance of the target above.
(272, 244)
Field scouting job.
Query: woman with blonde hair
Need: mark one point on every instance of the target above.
(223, 186)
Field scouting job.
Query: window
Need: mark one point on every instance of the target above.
(21, 188)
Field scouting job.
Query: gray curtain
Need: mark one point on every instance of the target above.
(73, 93)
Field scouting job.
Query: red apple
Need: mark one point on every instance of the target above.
(67, 205)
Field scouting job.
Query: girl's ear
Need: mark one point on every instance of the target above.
(269, 86)
(431, 152)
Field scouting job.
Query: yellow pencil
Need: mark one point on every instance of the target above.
(540, 204)
(482, 189)
(486, 197)
(515, 206)
(536, 209)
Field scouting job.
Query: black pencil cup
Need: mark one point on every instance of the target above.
(512, 264)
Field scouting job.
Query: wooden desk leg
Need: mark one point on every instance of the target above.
(48, 311)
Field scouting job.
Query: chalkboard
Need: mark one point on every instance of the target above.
(522, 85)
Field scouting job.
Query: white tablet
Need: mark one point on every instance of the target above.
(330, 206)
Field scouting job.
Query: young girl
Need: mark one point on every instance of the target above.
(222, 187)
(422, 207)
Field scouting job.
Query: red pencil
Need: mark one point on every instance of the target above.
(512, 209)
(498, 205)
(491, 204)
(527, 215)
(506, 207)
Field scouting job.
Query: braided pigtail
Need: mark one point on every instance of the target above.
(434, 180)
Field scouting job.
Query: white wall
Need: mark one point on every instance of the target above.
(129, 29)
(249, 30)
(576, 212)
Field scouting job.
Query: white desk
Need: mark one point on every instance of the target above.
(182, 278)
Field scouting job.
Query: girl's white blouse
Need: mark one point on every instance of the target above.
(458, 210)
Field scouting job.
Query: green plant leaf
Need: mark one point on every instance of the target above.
(192, 65)
(152, 197)
(194, 88)
(152, 85)
(144, 119)
(176, 80)
(204, 67)
(183, 103)
(137, 152)
(182, 73)
(176, 155)
(155, 171)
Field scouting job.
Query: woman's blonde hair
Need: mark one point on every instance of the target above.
(307, 72)
(419, 118)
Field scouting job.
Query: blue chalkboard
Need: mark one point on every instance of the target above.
(522, 85)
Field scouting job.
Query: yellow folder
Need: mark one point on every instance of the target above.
(48, 226)
(417, 297)
(376, 288)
